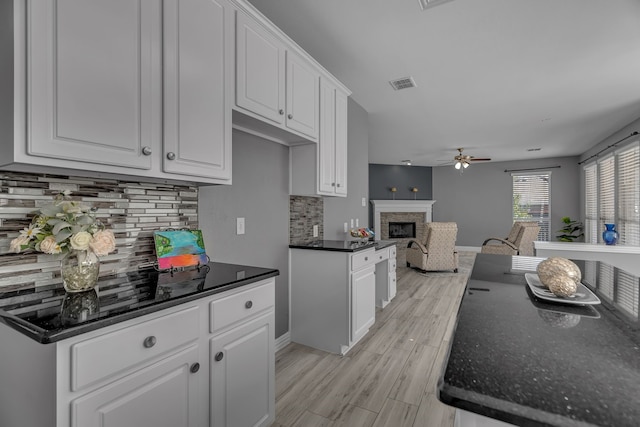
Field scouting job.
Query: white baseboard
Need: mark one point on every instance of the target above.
(283, 340)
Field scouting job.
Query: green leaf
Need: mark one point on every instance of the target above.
(85, 220)
(63, 235)
(59, 226)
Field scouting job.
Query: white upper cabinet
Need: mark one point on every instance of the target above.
(260, 70)
(322, 169)
(274, 84)
(197, 105)
(125, 87)
(302, 96)
(92, 78)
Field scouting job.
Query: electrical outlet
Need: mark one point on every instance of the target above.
(351, 222)
(346, 227)
(315, 231)
(357, 222)
(364, 202)
(239, 226)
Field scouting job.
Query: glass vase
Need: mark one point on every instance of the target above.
(79, 270)
(610, 235)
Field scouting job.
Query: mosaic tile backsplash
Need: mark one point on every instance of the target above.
(304, 213)
(131, 210)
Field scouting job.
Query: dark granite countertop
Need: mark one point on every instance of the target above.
(534, 363)
(48, 314)
(342, 245)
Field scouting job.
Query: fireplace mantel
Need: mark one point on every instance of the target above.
(380, 206)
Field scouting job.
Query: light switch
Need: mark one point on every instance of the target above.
(239, 226)
(346, 227)
(357, 222)
(315, 231)
(364, 202)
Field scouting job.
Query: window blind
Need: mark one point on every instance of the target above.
(606, 193)
(628, 196)
(591, 203)
(627, 293)
(532, 200)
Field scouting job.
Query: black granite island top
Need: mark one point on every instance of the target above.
(534, 363)
(343, 245)
(48, 314)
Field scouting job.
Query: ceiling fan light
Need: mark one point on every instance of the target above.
(458, 165)
(465, 164)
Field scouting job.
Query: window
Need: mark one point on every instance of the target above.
(532, 200)
(612, 195)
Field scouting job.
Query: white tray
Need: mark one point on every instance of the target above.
(582, 296)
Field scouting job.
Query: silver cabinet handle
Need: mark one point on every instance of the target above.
(149, 341)
(219, 356)
(333, 184)
(194, 368)
(248, 304)
(171, 155)
(281, 111)
(290, 116)
(366, 258)
(146, 150)
(338, 185)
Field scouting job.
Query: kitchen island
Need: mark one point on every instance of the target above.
(335, 286)
(145, 348)
(530, 362)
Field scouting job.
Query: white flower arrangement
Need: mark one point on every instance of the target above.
(64, 226)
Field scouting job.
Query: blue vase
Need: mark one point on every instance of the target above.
(610, 235)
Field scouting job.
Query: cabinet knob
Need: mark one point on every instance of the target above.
(290, 116)
(338, 185)
(281, 111)
(333, 184)
(219, 356)
(248, 304)
(171, 155)
(194, 368)
(149, 342)
(366, 258)
(146, 150)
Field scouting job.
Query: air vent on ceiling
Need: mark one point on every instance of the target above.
(424, 4)
(403, 83)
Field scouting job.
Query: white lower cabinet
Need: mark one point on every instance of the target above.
(332, 298)
(157, 370)
(161, 395)
(242, 375)
(385, 275)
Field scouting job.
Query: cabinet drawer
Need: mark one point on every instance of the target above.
(107, 355)
(228, 310)
(362, 259)
(381, 255)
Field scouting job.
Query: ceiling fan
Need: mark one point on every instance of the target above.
(462, 161)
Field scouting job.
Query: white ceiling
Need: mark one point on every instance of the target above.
(493, 76)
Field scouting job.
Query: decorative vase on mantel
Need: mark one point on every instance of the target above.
(80, 270)
(610, 235)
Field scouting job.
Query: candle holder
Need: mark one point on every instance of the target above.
(393, 192)
(414, 190)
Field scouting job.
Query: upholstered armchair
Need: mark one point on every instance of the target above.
(518, 242)
(438, 251)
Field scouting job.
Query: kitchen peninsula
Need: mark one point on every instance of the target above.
(335, 286)
(528, 362)
(199, 341)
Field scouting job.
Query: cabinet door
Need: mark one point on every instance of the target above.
(363, 301)
(161, 395)
(94, 80)
(341, 143)
(197, 105)
(243, 375)
(303, 86)
(327, 142)
(260, 70)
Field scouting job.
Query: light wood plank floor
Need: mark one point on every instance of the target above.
(389, 378)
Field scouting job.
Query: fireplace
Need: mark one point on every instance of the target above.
(402, 230)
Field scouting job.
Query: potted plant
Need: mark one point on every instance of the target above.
(572, 230)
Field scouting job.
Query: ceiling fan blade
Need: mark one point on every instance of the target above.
(479, 159)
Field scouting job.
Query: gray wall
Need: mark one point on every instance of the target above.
(338, 210)
(260, 194)
(480, 199)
